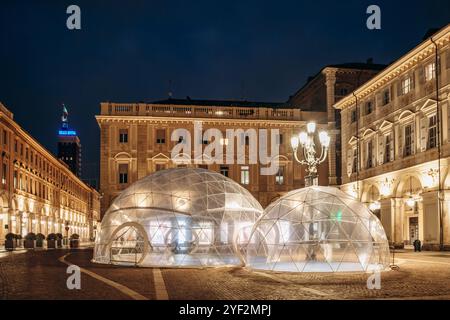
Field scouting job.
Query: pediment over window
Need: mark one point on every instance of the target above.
(353, 140)
(385, 125)
(123, 155)
(160, 156)
(368, 132)
(405, 115)
(429, 106)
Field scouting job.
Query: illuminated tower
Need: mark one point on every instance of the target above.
(69, 146)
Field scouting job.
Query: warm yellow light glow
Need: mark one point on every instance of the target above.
(385, 190)
(303, 137)
(311, 127)
(324, 139)
(294, 142)
(374, 206)
(410, 202)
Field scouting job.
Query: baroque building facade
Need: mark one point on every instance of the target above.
(322, 91)
(136, 140)
(38, 192)
(396, 144)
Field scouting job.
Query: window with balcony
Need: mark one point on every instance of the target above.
(432, 132)
(245, 175)
(430, 71)
(123, 136)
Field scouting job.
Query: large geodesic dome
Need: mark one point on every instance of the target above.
(317, 229)
(178, 218)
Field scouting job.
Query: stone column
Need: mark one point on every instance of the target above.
(387, 217)
(391, 219)
(330, 82)
(430, 223)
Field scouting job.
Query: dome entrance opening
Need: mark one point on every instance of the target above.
(128, 246)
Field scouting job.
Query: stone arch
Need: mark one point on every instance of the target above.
(140, 229)
(123, 155)
(370, 193)
(403, 185)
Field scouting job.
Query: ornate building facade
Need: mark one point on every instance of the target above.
(396, 144)
(322, 91)
(136, 141)
(38, 192)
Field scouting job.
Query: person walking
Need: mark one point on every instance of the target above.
(417, 245)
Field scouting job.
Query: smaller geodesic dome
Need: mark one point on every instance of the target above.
(317, 229)
(179, 218)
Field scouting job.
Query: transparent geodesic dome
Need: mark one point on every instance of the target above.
(317, 229)
(178, 217)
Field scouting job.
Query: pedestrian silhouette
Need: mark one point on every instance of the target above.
(417, 245)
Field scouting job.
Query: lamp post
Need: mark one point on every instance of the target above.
(306, 141)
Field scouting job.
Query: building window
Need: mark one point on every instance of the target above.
(406, 85)
(353, 116)
(369, 107)
(15, 179)
(4, 173)
(160, 166)
(224, 170)
(430, 71)
(223, 141)
(343, 91)
(123, 136)
(432, 132)
(123, 173)
(245, 175)
(355, 161)
(369, 154)
(5, 137)
(15, 146)
(279, 178)
(180, 139)
(387, 149)
(386, 97)
(161, 136)
(408, 140)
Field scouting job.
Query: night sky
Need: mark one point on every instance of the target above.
(128, 51)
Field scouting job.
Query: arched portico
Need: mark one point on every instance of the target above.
(410, 216)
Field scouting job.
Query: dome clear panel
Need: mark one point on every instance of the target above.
(317, 229)
(177, 218)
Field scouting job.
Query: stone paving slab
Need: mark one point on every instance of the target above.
(39, 275)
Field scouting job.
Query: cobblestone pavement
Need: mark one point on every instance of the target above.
(39, 275)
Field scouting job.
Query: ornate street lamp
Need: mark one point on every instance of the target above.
(306, 141)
